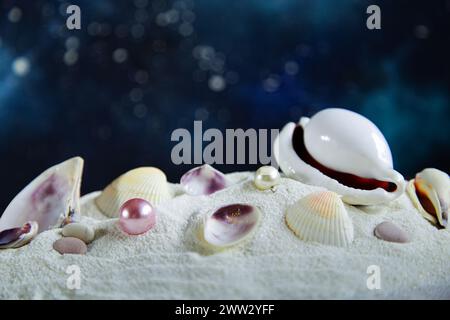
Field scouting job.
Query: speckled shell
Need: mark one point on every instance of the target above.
(146, 183)
(321, 217)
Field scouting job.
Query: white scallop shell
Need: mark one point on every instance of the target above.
(347, 143)
(435, 186)
(230, 225)
(50, 199)
(146, 183)
(321, 217)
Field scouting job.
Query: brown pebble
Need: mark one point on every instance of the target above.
(70, 245)
(388, 231)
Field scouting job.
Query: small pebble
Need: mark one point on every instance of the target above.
(70, 245)
(388, 231)
(80, 231)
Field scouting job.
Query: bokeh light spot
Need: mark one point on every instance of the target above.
(21, 66)
(120, 55)
(217, 83)
(15, 14)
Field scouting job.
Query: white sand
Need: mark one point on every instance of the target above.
(169, 263)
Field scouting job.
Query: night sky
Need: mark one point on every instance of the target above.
(114, 91)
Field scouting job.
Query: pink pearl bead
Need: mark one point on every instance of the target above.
(137, 216)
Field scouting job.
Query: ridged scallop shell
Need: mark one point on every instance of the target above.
(341, 151)
(321, 217)
(430, 193)
(146, 183)
(51, 199)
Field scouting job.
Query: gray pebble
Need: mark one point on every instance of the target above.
(70, 245)
(388, 231)
(80, 231)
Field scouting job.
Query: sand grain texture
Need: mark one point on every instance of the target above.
(169, 262)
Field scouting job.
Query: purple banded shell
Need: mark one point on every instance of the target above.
(231, 224)
(17, 237)
(203, 180)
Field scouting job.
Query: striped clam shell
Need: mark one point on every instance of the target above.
(146, 183)
(321, 217)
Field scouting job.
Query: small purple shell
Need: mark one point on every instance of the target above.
(231, 224)
(203, 180)
(17, 237)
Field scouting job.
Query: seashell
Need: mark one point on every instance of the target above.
(51, 199)
(430, 193)
(266, 177)
(17, 237)
(71, 217)
(342, 151)
(70, 245)
(79, 231)
(203, 180)
(231, 225)
(146, 183)
(321, 217)
(388, 231)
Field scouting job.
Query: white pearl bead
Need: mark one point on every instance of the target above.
(266, 177)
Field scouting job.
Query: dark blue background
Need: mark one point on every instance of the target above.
(281, 60)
